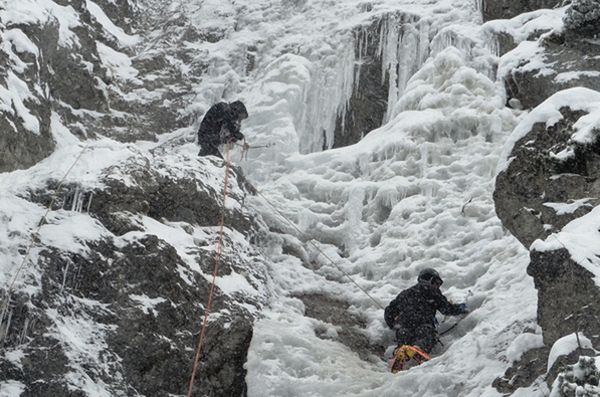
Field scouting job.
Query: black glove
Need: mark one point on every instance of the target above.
(238, 136)
(462, 308)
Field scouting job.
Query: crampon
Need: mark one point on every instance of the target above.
(405, 357)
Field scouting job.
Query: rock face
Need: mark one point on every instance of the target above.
(51, 69)
(116, 286)
(560, 310)
(74, 60)
(505, 9)
(560, 63)
(119, 312)
(334, 313)
(550, 181)
(548, 189)
(530, 191)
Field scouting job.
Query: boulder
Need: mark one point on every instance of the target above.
(561, 311)
(536, 71)
(540, 192)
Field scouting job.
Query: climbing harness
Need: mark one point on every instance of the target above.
(217, 259)
(8, 293)
(406, 356)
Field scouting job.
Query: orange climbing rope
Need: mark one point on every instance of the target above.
(218, 252)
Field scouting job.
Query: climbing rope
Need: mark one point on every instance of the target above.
(9, 290)
(321, 251)
(218, 252)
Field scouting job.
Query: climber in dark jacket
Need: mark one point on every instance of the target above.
(220, 125)
(412, 312)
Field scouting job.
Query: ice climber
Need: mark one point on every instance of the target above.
(220, 125)
(412, 313)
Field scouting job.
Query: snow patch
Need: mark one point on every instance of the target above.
(118, 63)
(147, 304)
(123, 38)
(565, 77)
(565, 346)
(42, 12)
(522, 344)
(564, 208)
(548, 112)
(71, 231)
(11, 388)
(580, 238)
(14, 97)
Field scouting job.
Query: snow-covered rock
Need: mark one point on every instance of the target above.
(119, 278)
(550, 173)
(578, 380)
(503, 9)
(537, 69)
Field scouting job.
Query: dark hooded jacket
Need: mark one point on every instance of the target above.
(220, 125)
(417, 305)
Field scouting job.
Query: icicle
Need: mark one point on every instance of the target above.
(23, 334)
(4, 332)
(490, 42)
(64, 280)
(327, 96)
(404, 47)
(76, 200)
(424, 149)
(353, 214)
(89, 202)
(3, 314)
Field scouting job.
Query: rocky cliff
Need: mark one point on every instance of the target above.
(113, 291)
(547, 190)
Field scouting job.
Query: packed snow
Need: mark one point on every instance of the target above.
(415, 193)
(566, 345)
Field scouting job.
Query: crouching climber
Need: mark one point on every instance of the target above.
(412, 315)
(221, 125)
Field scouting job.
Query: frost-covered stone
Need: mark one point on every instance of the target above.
(565, 262)
(583, 18)
(535, 70)
(578, 380)
(51, 65)
(506, 34)
(550, 176)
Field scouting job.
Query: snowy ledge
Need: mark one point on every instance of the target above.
(577, 99)
(581, 238)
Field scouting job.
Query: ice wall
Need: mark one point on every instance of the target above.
(345, 95)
